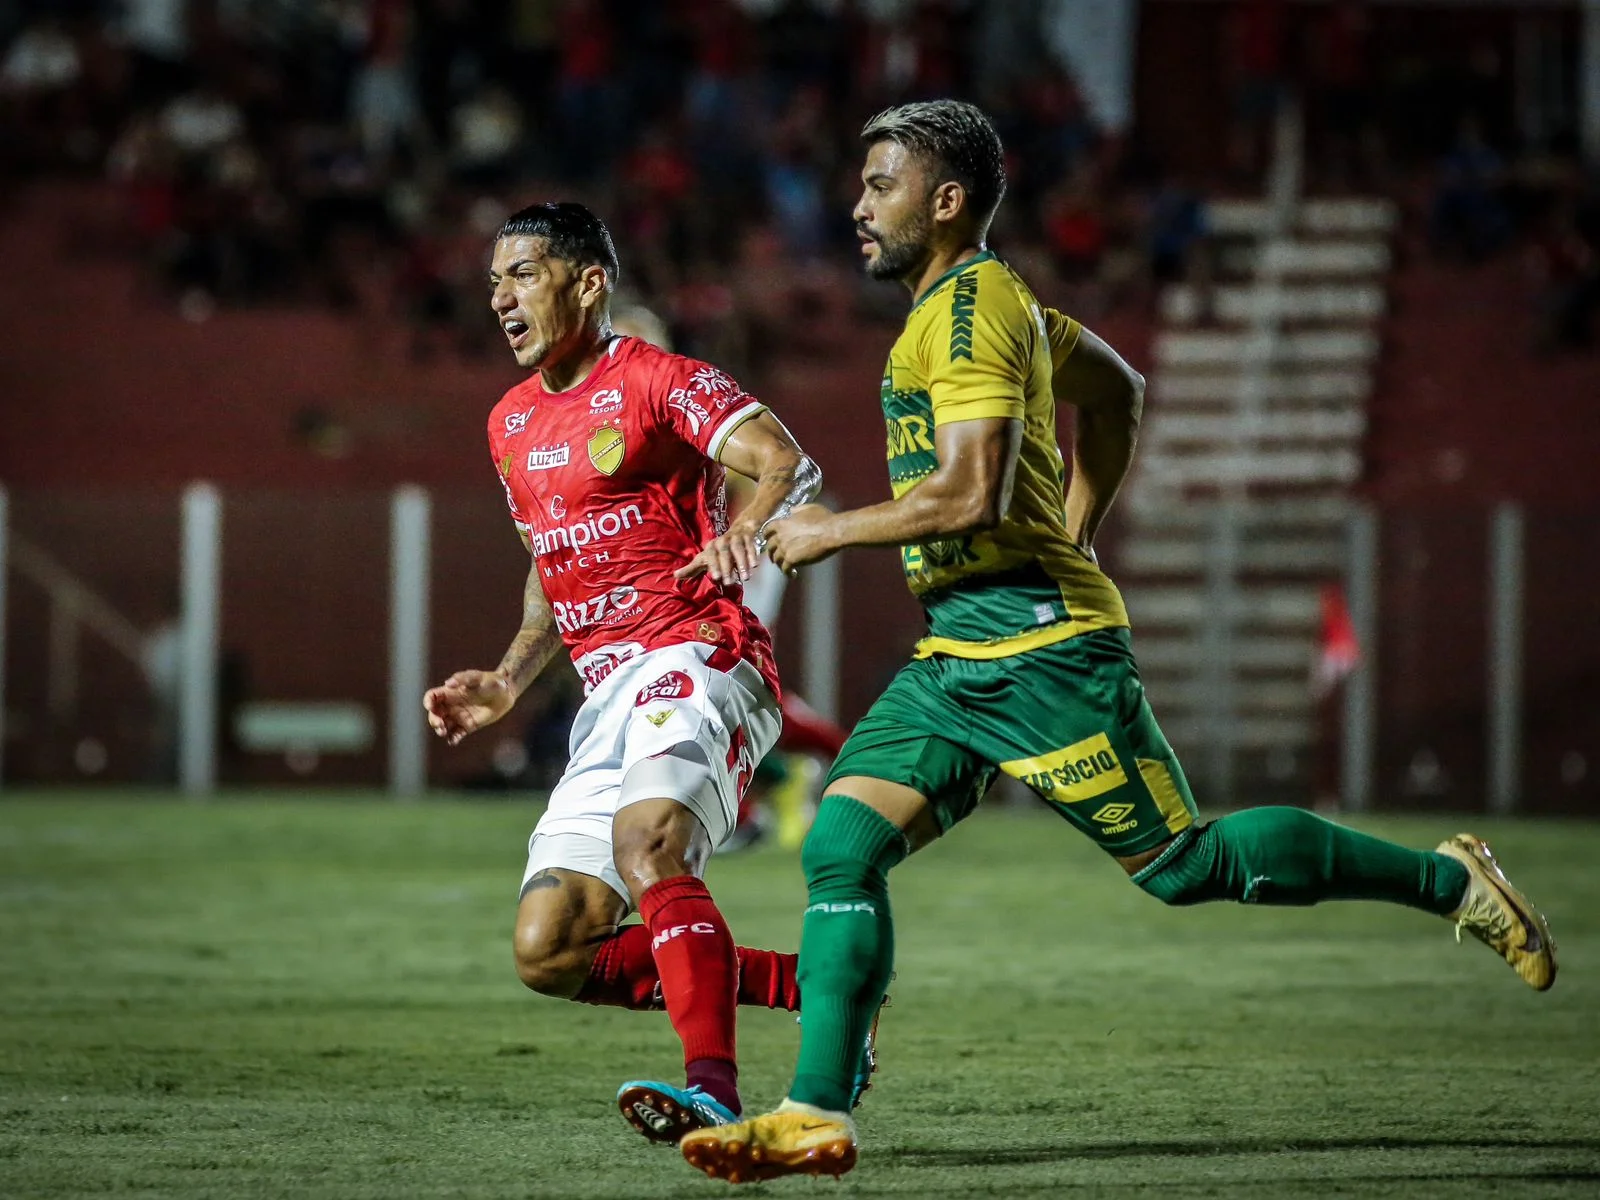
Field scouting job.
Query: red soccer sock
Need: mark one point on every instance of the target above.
(699, 969)
(624, 975)
(768, 979)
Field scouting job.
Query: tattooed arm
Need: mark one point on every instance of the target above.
(763, 450)
(469, 700)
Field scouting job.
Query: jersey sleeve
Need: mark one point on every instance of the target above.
(978, 348)
(1062, 333)
(704, 405)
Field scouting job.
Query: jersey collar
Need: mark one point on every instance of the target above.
(981, 256)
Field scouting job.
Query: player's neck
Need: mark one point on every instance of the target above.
(939, 264)
(576, 365)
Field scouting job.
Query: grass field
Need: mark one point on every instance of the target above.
(313, 998)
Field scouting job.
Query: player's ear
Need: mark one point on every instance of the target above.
(949, 201)
(592, 286)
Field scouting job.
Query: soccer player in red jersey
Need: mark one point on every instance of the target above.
(612, 454)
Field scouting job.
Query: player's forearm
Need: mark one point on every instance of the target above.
(926, 513)
(786, 482)
(536, 642)
(1102, 453)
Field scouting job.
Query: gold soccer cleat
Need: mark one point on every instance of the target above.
(797, 1139)
(1501, 917)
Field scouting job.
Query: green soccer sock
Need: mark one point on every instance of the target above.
(846, 945)
(1288, 856)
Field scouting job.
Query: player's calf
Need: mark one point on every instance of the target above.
(562, 919)
(661, 846)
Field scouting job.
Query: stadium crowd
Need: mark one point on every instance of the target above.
(264, 150)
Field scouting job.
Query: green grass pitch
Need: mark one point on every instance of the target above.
(271, 997)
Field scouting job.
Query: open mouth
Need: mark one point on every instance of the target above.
(516, 331)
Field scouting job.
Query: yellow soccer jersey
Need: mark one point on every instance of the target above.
(975, 345)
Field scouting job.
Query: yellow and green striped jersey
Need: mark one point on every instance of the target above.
(977, 344)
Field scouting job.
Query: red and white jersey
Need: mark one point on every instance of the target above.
(615, 483)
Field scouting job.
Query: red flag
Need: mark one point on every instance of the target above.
(1340, 651)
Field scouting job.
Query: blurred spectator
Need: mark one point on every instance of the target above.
(271, 152)
(1257, 37)
(796, 173)
(1075, 228)
(39, 81)
(586, 92)
(486, 133)
(1175, 227)
(383, 102)
(42, 61)
(1340, 85)
(200, 122)
(1566, 263)
(1469, 218)
(156, 34)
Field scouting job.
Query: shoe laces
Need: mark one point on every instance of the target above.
(1486, 921)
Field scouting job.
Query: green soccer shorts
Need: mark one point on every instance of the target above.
(1070, 720)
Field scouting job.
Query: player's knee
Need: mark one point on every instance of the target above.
(1184, 876)
(549, 960)
(657, 839)
(847, 844)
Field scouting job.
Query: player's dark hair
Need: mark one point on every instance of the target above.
(955, 138)
(571, 233)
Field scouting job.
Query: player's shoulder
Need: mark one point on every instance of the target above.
(675, 370)
(982, 302)
(510, 415)
(1002, 293)
(983, 285)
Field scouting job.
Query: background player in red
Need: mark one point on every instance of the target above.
(612, 458)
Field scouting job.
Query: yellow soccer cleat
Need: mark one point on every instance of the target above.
(797, 1139)
(1501, 917)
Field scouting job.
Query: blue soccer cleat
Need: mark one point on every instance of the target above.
(862, 1083)
(664, 1113)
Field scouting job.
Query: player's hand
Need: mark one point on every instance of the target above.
(729, 559)
(467, 701)
(801, 538)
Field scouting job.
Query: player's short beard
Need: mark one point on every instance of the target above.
(902, 253)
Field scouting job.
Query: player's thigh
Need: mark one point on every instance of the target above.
(693, 736)
(1071, 721)
(906, 758)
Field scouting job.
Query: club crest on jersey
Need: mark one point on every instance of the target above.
(606, 449)
(674, 685)
(505, 467)
(658, 719)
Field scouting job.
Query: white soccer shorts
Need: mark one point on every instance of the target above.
(661, 725)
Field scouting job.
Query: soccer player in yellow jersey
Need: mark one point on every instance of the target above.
(1027, 665)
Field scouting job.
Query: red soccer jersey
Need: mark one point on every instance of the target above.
(616, 485)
